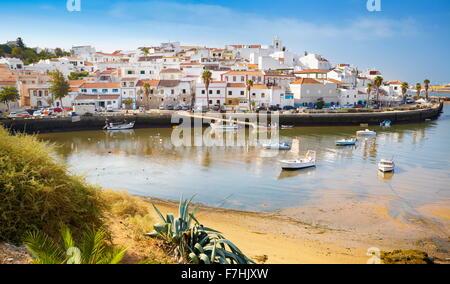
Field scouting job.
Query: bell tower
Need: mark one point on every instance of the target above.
(278, 44)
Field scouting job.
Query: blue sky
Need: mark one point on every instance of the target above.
(407, 40)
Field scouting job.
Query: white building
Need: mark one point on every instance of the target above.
(308, 92)
(13, 63)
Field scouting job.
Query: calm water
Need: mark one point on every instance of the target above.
(145, 162)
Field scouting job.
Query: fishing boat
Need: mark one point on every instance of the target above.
(277, 146)
(309, 161)
(287, 126)
(260, 127)
(225, 127)
(386, 166)
(386, 123)
(346, 142)
(119, 126)
(366, 132)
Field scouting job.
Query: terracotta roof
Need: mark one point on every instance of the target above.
(170, 71)
(152, 83)
(95, 97)
(244, 73)
(394, 83)
(7, 83)
(100, 85)
(334, 81)
(306, 81)
(260, 87)
(88, 64)
(309, 71)
(76, 83)
(168, 83)
(236, 85)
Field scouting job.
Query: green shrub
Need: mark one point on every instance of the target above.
(38, 194)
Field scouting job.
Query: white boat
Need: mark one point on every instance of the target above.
(265, 127)
(347, 142)
(386, 166)
(386, 123)
(119, 126)
(287, 126)
(309, 161)
(277, 146)
(225, 127)
(366, 132)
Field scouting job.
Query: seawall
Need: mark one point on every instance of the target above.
(46, 125)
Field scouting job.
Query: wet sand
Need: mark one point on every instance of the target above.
(337, 233)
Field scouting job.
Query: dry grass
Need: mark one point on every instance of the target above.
(38, 193)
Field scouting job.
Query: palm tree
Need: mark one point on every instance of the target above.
(378, 81)
(145, 51)
(249, 86)
(92, 249)
(426, 85)
(207, 79)
(405, 87)
(369, 91)
(146, 95)
(418, 89)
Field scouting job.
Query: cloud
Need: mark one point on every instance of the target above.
(211, 21)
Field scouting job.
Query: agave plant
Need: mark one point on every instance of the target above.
(92, 249)
(192, 242)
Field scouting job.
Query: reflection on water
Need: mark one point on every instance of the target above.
(145, 162)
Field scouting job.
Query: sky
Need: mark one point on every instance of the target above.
(406, 40)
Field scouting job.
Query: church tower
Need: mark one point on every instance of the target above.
(278, 44)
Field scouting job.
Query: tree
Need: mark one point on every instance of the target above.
(145, 51)
(59, 87)
(405, 87)
(78, 75)
(426, 85)
(418, 89)
(207, 79)
(249, 86)
(369, 91)
(9, 94)
(92, 249)
(320, 103)
(378, 81)
(147, 95)
(20, 43)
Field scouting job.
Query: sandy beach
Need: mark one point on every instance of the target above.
(339, 234)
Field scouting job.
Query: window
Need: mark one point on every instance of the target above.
(230, 102)
(242, 78)
(218, 102)
(94, 90)
(172, 91)
(230, 93)
(184, 91)
(83, 90)
(218, 92)
(130, 72)
(242, 93)
(263, 95)
(115, 90)
(254, 95)
(203, 92)
(210, 102)
(210, 92)
(234, 78)
(124, 84)
(105, 91)
(142, 72)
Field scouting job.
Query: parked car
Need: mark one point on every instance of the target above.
(288, 108)
(162, 108)
(169, 107)
(24, 114)
(57, 109)
(274, 108)
(38, 113)
(186, 108)
(13, 115)
(410, 101)
(178, 108)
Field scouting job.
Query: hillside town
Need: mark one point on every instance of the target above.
(176, 77)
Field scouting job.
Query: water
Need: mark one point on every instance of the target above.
(145, 162)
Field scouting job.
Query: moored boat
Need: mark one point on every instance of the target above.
(346, 142)
(277, 146)
(225, 127)
(366, 132)
(386, 123)
(309, 161)
(386, 166)
(119, 126)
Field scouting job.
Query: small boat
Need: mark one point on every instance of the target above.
(309, 161)
(277, 146)
(366, 132)
(265, 127)
(386, 166)
(225, 127)
(386, 123)
(119, 126)
(287, 126)
(346, 142)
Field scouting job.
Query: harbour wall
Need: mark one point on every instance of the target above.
(47, 125)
